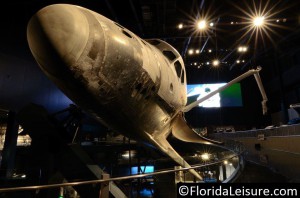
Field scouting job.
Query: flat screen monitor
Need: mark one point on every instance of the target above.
(143, 169)
(230, 97)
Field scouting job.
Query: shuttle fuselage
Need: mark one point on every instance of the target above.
(134, 86)
(127, 83)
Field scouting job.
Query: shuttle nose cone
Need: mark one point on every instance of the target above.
(57, 35)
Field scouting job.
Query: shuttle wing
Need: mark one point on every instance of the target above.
(160, 141)
(183, 132)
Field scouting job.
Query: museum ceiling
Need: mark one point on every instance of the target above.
(206, 33)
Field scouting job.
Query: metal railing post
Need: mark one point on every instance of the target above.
(104, 189)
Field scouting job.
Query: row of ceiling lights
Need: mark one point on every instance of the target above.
(240, 49)
(257, 21)
(277, 21)
(215, 63)
(201, 25)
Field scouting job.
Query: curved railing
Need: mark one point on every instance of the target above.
(38, 187)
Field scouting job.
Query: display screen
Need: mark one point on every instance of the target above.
(230, 97)
(143, 169)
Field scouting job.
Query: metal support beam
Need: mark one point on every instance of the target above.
(224, 172)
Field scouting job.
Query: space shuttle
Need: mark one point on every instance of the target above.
(134, 86)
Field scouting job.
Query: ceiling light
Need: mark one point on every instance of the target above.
(258, 21)
(207, 63)
(197, 51)
(205, 156)
(211, 24)
(180, 26)
(216, 63)
(209, 51)
(191, 51)
(242, 49)
(238, 61)
(128, 154)
(201, 25)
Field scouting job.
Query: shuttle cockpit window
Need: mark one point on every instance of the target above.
(170, 55)
(178, 68)
(182, 77)
(126, 33)
(154, 42)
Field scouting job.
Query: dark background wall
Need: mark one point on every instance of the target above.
(22, 82)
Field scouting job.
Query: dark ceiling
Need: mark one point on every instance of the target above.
(160, 19)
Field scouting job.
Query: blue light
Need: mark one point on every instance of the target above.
(146, 193)
(143, 169)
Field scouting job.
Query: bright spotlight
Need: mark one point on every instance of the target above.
(216, 63)
(211, 24)
(225, 162)
(180, 26)
(205, 156)
(207, 63)
(238, 61)
(197, 51)
(209, 51)
(191, 51)
(242, 49)
(258, 21)
(201, 25)
(129, 154)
